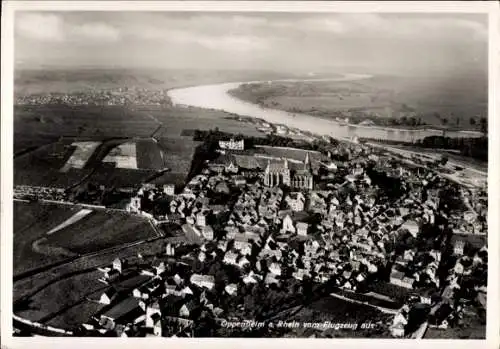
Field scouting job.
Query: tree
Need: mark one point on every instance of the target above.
(444, 122)
(472, 121)
(483, 122)
(444, 160)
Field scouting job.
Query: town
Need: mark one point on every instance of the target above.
(117, 96)
(268, 229)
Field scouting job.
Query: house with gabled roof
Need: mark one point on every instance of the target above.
(110, 275)
(188, 308)
(108, 296)
(205, 281)
(117, 265)
(124, 312)
(287, 225)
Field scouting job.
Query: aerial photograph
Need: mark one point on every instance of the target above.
(250, 174)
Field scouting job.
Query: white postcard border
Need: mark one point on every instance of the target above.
(7, 43)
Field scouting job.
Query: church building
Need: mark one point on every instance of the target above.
(277, 174)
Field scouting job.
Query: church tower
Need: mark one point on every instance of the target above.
(307, 163)
(268, 175)
(285, 174)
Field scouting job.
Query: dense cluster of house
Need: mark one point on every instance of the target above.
(346, 234)
(116, 96)
(46, 193)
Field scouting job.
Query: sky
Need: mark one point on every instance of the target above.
(370, 42)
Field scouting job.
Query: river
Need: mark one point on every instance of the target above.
(217, 97)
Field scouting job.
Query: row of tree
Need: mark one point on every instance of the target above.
(476, 148)
(482, 122)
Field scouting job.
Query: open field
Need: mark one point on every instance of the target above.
(93, 122)
(113, 127)
(29, 285)
(178, 153)
(123, 156)
(37, 176)
(149, 154)
(100, 230)
(178, 119)
(76, 315)
(383, 97)
(51, 156)
(81, 277)
(81, 155)
(33, 247)
(120, 177)
(31, 222)
(62, 294)
(108, 164)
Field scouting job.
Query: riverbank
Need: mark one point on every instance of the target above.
(392, 102)
(217, 97)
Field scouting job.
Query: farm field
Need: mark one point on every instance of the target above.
(26, 286)
(51, 165)
(36, 176)
(76, 315)
(48, 166)
(178, 119)
(102, 229)
(123, 156)
(93, 122)
(33, 247)
(25, 142)
(178, 153)
(46, 292)
(120, 177)
(31, 222)
(80, 156)
(113, 127)
(149, 155)
(53, 156)
(61, 295)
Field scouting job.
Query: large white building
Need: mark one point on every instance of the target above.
(232, 144)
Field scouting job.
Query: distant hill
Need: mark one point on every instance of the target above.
(31, 81)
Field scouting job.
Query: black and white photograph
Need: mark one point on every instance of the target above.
(250, 173)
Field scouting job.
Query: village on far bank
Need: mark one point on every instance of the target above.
(265, 231)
